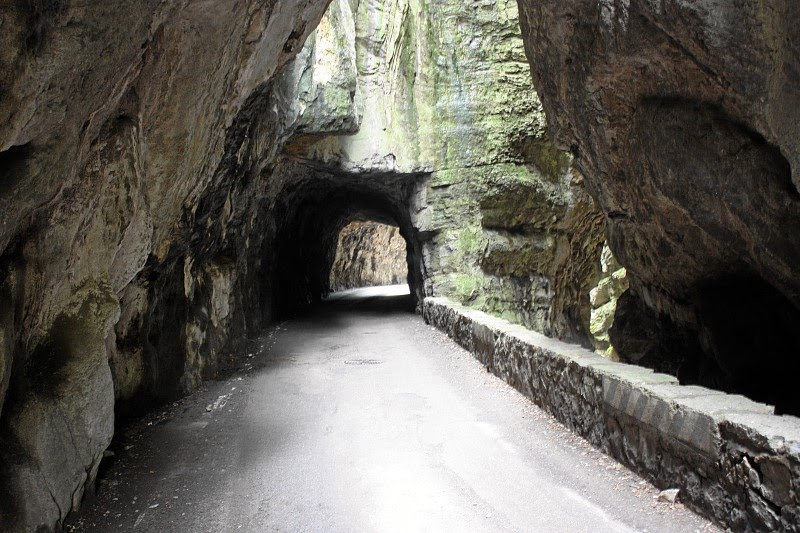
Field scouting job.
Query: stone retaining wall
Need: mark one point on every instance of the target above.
(733, 460)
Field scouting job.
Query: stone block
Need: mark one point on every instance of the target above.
(483, 339)
(765, 432)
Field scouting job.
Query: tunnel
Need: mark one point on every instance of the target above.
(311, 209)
(594, 205)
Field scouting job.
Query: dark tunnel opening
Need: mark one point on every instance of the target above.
(312, 208)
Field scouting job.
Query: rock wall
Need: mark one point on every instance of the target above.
(730, 458)
(368, 254)
(127, 170)
(683, 118)
(441, 90)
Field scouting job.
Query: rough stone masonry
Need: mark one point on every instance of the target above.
(732, 459)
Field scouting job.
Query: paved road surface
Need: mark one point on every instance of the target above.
(362, 418)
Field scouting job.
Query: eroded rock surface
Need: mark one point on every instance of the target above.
(498, 218)
(369, 254)
(118, 125)
(683, 119)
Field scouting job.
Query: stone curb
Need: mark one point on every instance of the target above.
(733, 460)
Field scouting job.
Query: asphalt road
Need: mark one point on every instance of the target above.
(360, 417)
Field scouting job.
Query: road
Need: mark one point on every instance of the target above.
(359, 417)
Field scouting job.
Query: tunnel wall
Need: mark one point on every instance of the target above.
(732, 459)
(129, 149)
(368, 254)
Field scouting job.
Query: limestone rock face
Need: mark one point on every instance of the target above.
(442, 92)
(61, 411)
(369, 254)
(683, 119)
(172, 178)
(118, 122)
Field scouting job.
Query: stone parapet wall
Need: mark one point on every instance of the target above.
(732, 459)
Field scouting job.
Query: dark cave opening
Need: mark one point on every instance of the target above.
(711, 250)
(751, 331)
(48, 361)
(13, 166)
(745, 341)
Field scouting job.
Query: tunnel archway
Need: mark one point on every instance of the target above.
(312, 206)
(369, 254)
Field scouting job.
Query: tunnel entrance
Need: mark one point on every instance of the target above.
(368, 254)
(336, 230)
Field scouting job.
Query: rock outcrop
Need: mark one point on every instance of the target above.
(368, 254)
(121, 128)
(441, 93)
(604, 298)
(683, 118)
